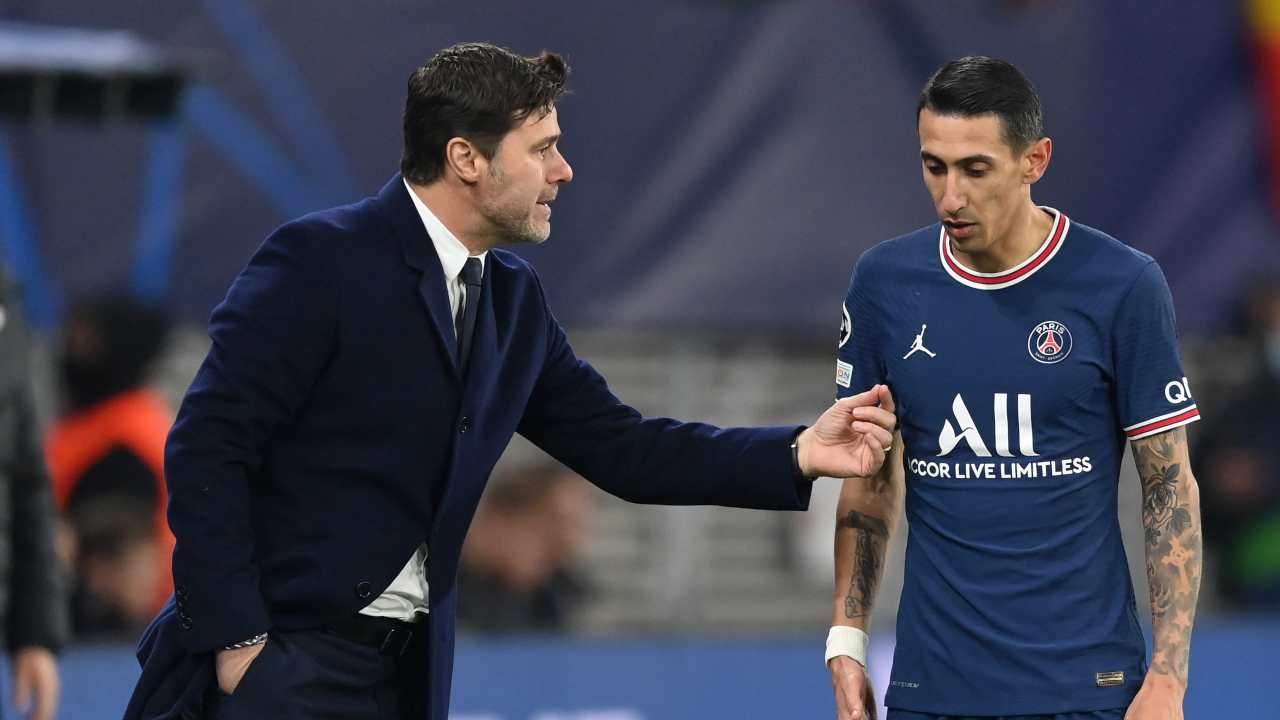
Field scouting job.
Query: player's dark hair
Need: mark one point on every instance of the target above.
(977, 85)
(475, 91)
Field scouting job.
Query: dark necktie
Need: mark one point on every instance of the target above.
(472, 276)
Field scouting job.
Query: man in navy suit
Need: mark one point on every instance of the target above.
(368, 368)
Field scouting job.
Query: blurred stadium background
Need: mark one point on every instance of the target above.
(732, 160)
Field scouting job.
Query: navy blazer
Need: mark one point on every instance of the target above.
(329, 432)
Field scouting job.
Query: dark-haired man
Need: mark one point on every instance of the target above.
(1023, 349)
(368, 367)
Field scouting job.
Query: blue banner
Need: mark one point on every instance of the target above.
(1232, 669)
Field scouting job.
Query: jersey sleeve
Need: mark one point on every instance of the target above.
(858, 364)
(1153, 394)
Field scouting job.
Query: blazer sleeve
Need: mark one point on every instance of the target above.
(272, 336)
(574, 417)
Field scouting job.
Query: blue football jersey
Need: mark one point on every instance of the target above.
(1016, 392)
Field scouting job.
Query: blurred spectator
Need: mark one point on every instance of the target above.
(517, 571)
(115, 566)
(1241, 462)
(107, 455)
(33, 604)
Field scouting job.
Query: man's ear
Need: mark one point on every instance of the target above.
(465, 159)
(1036, 160)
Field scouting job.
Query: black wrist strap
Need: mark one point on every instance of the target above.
(795, 455)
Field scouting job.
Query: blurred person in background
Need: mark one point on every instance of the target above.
(1242, 467)
(33, 600)
(115, 557)
(107, 451)
(1024, 350)
(517, 572)
(368, 368)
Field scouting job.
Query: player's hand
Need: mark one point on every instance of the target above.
(851, 438)
(1160, 698)
(35, 683)
(854, 697)
(231, 665)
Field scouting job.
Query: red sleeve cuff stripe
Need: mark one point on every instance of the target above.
(1160, 424)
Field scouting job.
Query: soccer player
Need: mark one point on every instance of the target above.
(1022, 349)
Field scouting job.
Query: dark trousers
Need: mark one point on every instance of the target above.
(315, 675)
(1113, 714)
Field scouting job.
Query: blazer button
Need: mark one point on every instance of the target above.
(465, 425)
(364, 589)
(185, 623)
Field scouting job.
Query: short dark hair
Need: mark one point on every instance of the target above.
(475, 91)
(125, 336)
(977, 85)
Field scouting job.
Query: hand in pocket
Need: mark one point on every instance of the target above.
(231, 665)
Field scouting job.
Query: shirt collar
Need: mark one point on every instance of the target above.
(1014, 275)
(453, 254)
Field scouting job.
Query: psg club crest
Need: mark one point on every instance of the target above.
(1049, 342)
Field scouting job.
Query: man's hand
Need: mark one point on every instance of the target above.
(1160, 698)
(231, 665)
(851, 438)
(35, 682)
(854, 697)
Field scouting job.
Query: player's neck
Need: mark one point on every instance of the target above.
(1025, 235)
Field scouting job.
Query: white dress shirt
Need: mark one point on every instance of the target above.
(407, 594)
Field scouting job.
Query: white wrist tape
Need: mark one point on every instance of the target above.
(850, 641)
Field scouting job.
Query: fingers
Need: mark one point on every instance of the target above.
(882, 437)
(885, 398)
(866, 398)
(875, 396)
(22, 688)
(46, 703)
(879, 416)
(47, 697)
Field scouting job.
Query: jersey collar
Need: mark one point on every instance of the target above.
(1014, 275)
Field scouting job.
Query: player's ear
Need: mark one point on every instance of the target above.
(465, 159)
(1035, 160)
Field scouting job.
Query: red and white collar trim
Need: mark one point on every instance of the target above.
(1014, 275)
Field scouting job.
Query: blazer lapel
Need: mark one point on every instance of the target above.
(420, 254)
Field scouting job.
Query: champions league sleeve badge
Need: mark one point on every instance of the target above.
(1049, 342)
(846, 325)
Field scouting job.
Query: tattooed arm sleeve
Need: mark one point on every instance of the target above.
(1171, 519)
(865, 518)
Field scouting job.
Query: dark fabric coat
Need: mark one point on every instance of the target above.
(329, 432)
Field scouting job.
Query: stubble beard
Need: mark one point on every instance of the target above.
(512, 220)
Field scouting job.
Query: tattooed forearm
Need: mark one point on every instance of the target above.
(1171, 521)
(868, 510)
(870, 535)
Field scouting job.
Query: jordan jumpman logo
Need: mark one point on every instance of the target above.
(918, 345)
